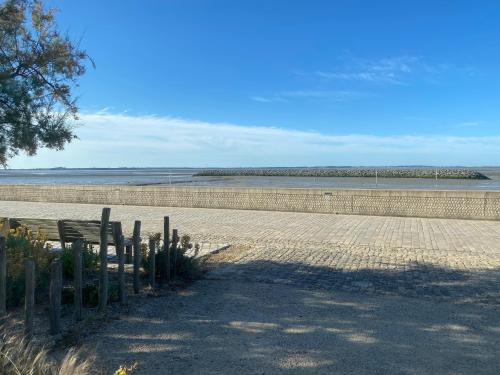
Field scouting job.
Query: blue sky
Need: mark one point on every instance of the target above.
(255, 83)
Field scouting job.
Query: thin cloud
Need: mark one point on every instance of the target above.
(393, 70)
(114, 140)
(333, 95)
(262, 99)
(338, 95)
(468, 124)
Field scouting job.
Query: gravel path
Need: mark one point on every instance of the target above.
(228, 327)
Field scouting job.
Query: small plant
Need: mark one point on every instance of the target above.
(23, 244)
(90, 293)
(89, 259)
(126, 370)
(145, 250)
(183, 266)
(113, 293)
(186, 267)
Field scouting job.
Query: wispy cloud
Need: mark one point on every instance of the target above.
(391, 70)
(337, 95)
(398, 70)
(262, 99)
(331, 95)
(113, 140)
(468, 124)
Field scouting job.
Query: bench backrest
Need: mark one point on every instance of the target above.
(47, 226)
(66, 231)
(87, 230)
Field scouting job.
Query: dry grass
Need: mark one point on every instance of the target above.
(20, 357)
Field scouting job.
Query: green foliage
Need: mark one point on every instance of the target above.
(23, 244)
(90, 293)
(181, 265)
(89, 260)
(114, 292)
(186, 267)
(38, 68)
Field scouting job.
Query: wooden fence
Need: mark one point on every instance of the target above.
(56, 272)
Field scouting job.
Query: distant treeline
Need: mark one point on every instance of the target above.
(448, 173)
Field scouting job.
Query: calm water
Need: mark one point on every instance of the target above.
(184, 177)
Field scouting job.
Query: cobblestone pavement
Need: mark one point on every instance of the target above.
(444, 275)
(412, 256)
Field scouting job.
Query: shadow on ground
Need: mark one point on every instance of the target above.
(413, 280)
(269, 318)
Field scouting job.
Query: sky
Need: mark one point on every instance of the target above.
(212, 83)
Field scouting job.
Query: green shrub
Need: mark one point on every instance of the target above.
(23, 244)
(113, 292)
(182, 266)
(89, 260)
(186, 267)
(90, 293)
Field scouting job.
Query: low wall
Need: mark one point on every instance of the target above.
(415, 203)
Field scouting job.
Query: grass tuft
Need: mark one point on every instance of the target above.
(21, 357)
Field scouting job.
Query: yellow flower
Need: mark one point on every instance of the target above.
(126, 370)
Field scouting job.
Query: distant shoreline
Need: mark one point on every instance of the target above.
(277, 179)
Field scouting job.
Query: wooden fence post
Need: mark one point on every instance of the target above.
(128, 257)
(119, 246)
(175, 240)
(78, 278)
(29, 297)
(117, 233)
(121, 271)
(60, 229)
(166, 246)
(3, 277)
(152, 261)
(103, 255)
(55, 291)
(137, 255)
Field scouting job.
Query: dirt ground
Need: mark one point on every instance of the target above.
(224, 324)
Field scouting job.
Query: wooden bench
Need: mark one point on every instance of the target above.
(67, 231)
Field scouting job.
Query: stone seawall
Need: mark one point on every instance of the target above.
(414, 203)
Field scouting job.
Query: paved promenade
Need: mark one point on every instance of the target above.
(411, 256)
(241, 227)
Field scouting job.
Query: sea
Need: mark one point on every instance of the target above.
(186, 177)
